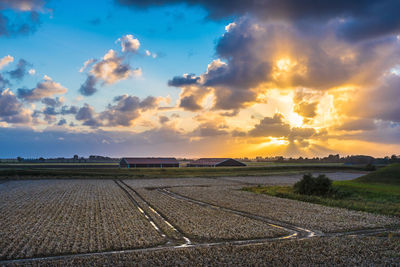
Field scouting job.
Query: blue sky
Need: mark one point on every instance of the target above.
(180, 36)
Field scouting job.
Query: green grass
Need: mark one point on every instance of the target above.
(111, 173)
(363, 194)
(386, 175)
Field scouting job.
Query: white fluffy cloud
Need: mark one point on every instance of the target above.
(112, 68)
(129, 43)
(46, 88)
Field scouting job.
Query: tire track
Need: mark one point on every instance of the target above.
(302, 232)
(185, 241)
(295, 231)
(41, 260)
(144, 213)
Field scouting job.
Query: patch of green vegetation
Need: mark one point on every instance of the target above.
(387, 175)
(309, 185)
(122, 173)
(357, 194)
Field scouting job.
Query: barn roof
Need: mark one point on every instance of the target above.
(209, 161)
(150, 160)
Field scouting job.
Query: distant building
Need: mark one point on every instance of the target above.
(215, 162)
(148, 162)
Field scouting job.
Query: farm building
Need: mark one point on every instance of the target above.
(215, 162)
(148, 162)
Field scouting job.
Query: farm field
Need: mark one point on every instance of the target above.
(184, 221)
(48, 217)
(74, 172)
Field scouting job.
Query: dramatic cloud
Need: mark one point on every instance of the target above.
(5, 61)
(20, 71)
(359, 19)
(88, 87)
(129, 43)
(45, 88)
(255, 56)
(11, 110)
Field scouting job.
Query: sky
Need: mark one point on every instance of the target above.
(199, 78)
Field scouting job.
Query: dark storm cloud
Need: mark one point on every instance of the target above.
(238, 47)
(187, 79)
(20, 71)
(360, 19)
(88, 87)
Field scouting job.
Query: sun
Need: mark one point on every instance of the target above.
(284, 64)
(295, 120)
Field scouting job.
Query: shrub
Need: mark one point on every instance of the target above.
(310, 185)
(370, 167)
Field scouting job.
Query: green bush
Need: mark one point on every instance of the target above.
(310, 185)
(370, 167)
